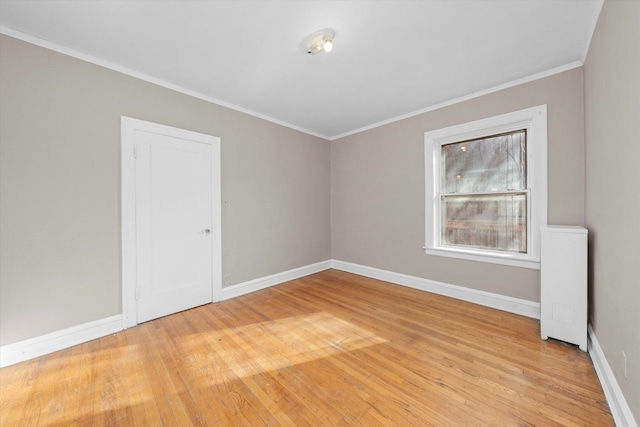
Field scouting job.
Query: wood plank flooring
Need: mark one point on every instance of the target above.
(328, 349)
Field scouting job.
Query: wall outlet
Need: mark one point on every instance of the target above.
(226, 281)
(624, 364)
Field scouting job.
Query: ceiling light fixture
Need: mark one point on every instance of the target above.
(319, 41)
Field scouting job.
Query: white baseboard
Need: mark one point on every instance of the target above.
(488, 299)
(275, 279)
(617, 403)
(11, 354)
(28, 349)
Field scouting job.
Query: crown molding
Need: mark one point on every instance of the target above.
(142, 76)
(533, 77)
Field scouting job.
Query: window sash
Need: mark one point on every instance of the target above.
(534, 121)
(503, 229)
(495, 218)
(490, 163)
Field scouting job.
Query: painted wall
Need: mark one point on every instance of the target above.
(60, 184)
(60, 187)
(612, 116)
(377, 180)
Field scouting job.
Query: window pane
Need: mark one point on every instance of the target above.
(492, 164)
(497, 222)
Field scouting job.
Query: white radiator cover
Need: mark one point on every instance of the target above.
(563, 284)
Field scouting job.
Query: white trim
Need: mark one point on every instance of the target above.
(617, 403)
(133, 73)
(11, 354)
(533, 77)
(487, 299)
(272, 280)
(124, 70)
(128, 127)
(21, 351)
(484, 257)
(534, 120)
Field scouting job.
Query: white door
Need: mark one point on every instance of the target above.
(176, 228)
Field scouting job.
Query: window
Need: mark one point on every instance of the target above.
(486, 189)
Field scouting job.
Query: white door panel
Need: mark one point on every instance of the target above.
(173, 210)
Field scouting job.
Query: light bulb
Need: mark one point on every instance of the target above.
(327, 45)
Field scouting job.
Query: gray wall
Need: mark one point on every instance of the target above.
(60, 185)
(612, 116)
(377, 180)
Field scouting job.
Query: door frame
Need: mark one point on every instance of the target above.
(129, 127)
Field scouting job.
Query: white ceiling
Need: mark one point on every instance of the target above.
(390, 58)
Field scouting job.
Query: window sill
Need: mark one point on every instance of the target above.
(471, 255)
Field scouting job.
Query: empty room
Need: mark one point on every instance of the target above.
(267, 213)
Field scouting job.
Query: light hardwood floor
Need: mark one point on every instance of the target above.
(328, 349)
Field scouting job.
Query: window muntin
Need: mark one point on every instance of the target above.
(483, 194)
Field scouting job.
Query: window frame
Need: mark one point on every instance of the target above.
(534, 121)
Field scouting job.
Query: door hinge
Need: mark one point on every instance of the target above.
(137, 295)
